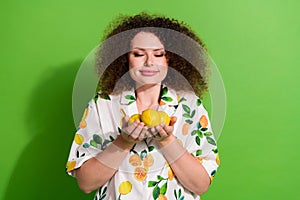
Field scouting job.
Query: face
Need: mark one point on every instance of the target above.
(147, 59)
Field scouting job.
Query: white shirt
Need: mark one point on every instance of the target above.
(144, 173)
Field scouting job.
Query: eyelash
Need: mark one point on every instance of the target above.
(156, 55)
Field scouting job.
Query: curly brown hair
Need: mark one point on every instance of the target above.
(181, 44)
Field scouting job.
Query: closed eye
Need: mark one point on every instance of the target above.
(138, 54)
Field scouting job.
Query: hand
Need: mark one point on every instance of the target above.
(163, 133)
(136, 131)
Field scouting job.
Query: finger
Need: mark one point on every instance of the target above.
(153, 131)
(160, 129)
(173, 120)
(136, 134)
(125, 121)
(147, 133)
(169, 129)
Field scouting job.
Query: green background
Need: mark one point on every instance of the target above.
(254, 44)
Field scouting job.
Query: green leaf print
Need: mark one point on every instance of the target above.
(97, 139)
(203, 129)
(198, 152)
(151, 148)
(156, 192)
(163, 188)
(198, 125)
(129, 97)
(189, 121)
(211, 141)
(215, 150)
(160, 178)
(199, 133)
(130, 102)
(198, 103)
(207, 134)
(93, 143)
(152, 183)
(186, 115)
(96, 98)
(197, 140)
(186, 108)
(182, 99)
(167, 99)
(164, 91)
(194, 132)
(193, 113)
(86, 145)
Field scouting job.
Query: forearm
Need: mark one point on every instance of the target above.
(187, 169)
(191, 174)
(92, 175)
(98, 170)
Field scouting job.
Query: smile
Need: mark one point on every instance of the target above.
(148, 72)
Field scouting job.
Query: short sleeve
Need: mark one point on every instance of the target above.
(86, 140)
(200, 141)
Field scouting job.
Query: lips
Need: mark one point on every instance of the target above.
(148, 72)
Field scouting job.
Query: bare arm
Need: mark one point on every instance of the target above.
(190, 173)
(94, 173)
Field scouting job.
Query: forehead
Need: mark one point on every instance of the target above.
(146, 40)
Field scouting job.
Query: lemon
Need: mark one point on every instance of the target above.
(78, 139)
(133, 118)
(150, 117)
(125, 187)
(164, 117)
(71, 165)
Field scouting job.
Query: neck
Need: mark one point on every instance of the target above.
(147, 96)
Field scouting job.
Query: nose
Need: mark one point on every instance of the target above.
(149, 61)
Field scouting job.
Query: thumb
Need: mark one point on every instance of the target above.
(173, 120)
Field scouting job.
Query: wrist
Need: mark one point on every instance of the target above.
(166, 141)
(123, 144)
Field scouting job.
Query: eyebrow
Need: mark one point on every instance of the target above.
(144, 49)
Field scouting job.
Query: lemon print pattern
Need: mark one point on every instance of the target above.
(192, 130)
(71, 165)
(125, 187)
(78, 139)
(82, 123)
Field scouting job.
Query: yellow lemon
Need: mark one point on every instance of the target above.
(170, 174)
(71, 165)
(164, 117)
(125, 187)
(78, 139)
(133, 118)
(218, 159)
(150, 117)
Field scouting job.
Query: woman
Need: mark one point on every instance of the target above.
(129, 160)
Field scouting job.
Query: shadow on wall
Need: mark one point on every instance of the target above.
(40, 170)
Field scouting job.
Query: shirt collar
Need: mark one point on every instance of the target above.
(168, 97)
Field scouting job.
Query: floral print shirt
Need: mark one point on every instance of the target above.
(144, 173)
